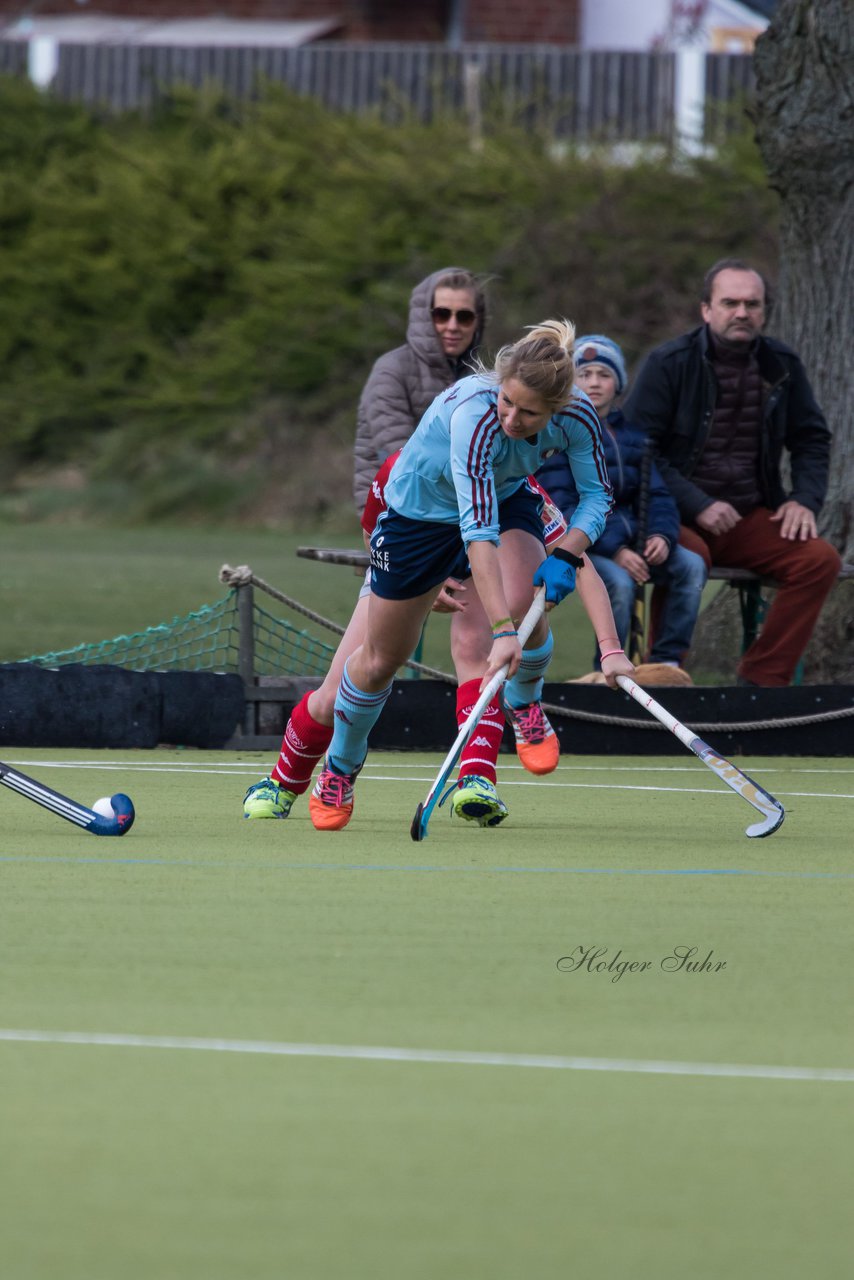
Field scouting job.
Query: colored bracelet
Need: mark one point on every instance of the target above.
(500, 623)
(500, 635)
(610, 654)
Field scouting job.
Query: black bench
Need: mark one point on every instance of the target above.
(753, 604)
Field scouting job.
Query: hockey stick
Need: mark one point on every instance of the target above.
(418, 830)
(98, 824)
(771, 809)
(638, 622)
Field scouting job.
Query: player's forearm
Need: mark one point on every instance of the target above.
(597, 603)
(575, 540)
(486, 571)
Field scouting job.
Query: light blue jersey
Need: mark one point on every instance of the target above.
(459, 465)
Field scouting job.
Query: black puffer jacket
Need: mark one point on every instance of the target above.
(401, 385)
(673, 399)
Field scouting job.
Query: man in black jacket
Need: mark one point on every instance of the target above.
(721, 404)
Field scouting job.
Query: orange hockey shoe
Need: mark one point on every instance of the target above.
(536, 741)
(331, 801)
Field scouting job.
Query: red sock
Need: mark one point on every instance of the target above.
(481, 751)
(305, 741)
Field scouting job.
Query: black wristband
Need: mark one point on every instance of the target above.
(560, 554)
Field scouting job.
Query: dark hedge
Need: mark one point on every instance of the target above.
(189, 303)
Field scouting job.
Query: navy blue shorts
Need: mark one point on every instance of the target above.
(408, 557)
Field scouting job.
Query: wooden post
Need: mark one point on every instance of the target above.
(246, 651)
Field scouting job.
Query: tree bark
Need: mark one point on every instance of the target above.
(804, 66)
(804, 115)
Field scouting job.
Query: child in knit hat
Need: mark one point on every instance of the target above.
(627, 556)
(596, 349)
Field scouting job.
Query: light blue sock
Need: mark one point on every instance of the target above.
(527, 684)
(356, 713)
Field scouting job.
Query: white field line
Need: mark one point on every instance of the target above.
(527, 781)
(623, 786)
(449, 1057)
(507, 766)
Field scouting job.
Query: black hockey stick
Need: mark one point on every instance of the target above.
(99, 824)
(637, 629)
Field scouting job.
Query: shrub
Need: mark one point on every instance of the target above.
(214, 282)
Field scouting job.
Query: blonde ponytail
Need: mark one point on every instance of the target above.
(542, 361)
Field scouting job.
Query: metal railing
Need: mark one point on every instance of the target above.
(13, 58)
(730, 87)
(575, 94)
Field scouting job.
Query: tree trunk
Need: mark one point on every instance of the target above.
(805, 129)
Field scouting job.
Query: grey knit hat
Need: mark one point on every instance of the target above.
(595, 348)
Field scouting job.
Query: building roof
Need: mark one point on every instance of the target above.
(97, 28)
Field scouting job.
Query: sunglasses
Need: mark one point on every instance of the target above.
(442, 315)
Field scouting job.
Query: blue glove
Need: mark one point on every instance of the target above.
(557, 575)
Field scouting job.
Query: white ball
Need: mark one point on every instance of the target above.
(104, 807)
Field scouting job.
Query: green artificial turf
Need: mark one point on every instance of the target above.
(73, 585)
(254, 1160)
(61, 587)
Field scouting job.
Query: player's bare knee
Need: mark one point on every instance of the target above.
(539, 634)
(379, 665)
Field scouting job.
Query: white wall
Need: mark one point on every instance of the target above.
(642, 24)
(622, 24)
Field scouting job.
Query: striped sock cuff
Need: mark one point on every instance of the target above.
(356, 713)
(527, 684)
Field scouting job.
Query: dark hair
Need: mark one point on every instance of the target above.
(463, 280)
(734, 264)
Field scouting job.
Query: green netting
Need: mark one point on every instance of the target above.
(208, 639)
(282, 649)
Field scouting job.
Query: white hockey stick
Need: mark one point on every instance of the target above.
(772, 811)
(88, 819)
(418, 830)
